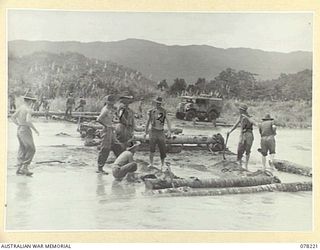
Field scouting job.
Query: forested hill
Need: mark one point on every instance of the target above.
(59, 74)
(159, 61)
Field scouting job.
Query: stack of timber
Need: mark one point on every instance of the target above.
(290, 167)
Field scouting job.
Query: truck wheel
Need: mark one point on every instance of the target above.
(180, 115)
(212, 116)
(190, 115)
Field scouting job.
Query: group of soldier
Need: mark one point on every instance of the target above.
(267, 130)
(118, 130)
(119, 139)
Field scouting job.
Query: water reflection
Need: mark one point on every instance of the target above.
(123, 189)
(101, 190)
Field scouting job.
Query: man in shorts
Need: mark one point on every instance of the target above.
(22, 118)
(246, 135)
(267, 130)
(157, 117)
(109, 140)
(124, 164)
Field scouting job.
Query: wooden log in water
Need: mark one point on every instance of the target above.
(211, 183)
(85, 126)
(290, 167)
(187, 191)
(186, 139)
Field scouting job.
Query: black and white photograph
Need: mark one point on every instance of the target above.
(159, 121)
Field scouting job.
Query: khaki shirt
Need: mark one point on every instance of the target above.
(126, 116)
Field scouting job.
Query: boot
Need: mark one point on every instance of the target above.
(101, 171)
(19, 170)
(26, 171)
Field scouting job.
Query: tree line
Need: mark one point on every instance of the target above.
(244, 85)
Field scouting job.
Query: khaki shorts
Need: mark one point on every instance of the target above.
(268, 144)
(157, 137)
(245, 144)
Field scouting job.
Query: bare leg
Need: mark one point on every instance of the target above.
(162, 164)
(264, 160)
(247, 161)
(151, 158)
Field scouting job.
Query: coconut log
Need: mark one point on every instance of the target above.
(211, 183)
(85, 126)
(61, 113)
(290, 167)
(187, 139)
(187, 191)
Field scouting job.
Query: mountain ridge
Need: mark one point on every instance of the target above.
(160, 61)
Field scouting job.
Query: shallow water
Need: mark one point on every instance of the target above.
(71, 196)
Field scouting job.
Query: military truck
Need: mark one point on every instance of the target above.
(203, 107)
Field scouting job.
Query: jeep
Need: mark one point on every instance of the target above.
(203, 107)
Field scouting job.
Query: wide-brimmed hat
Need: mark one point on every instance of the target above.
(126, 98)
(267, 118)
(110, 98)
(133, 144)
(158, 99)
(243, 107)
(29, 96)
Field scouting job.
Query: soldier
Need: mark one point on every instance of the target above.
(12, 102)
(69, 105)
(126, 119)
(157, 117)
(267, 130)
(124, 164)
(246, 135)
(109, 140)
(22, 118)
(82, 103)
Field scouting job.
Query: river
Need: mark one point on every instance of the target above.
(71, 196)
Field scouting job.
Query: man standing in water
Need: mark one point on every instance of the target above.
(22, 118)
(267, 131)
(246, 135)
(106, 118)
(157, 117)
(126, 120)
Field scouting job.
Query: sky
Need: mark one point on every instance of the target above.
(270, 31)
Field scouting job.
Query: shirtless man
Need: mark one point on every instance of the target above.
(157, 118)
(124, 164)
(22, 118)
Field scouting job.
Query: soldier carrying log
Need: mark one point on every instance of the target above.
(157, 117)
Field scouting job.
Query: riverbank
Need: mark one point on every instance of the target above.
(289, 114)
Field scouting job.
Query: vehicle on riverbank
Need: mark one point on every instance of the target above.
(203, 107)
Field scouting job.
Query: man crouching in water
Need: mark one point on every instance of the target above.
(22, 118)
(124, 164)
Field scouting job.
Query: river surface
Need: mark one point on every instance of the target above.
(71, 196)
